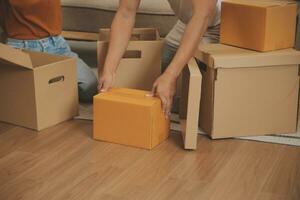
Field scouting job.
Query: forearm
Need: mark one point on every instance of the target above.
(203, 10)
(192, 36)
(121, 28)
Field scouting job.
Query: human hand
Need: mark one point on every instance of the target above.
(165, 87)
(106, 81)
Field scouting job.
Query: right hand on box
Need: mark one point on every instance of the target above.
(165, 87)
(106, 81)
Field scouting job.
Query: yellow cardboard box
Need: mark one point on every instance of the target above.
(262, 25)
(128, 117)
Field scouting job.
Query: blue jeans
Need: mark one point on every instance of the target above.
(87, 81)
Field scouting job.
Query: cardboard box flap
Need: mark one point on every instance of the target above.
(14, 56)
(261, 3)
(127, 95)
(223, 56)
(40, 59)
(138, 34)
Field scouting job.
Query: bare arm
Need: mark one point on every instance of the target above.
(165, 86)
(195, 29)
(121, 29)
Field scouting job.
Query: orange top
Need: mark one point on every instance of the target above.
(30, 19)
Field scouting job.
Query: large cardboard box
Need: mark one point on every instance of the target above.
(128, 117)
(37, 90)
(248, 93)
(141, 63)
(259, 25)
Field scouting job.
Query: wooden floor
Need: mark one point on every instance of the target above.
(63, 163)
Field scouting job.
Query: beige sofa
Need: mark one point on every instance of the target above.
(90, 15)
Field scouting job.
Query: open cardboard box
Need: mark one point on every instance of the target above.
(141, 63)
(243, 93)
(38, 90)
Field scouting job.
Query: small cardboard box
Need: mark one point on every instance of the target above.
(248, 93)
(128, 117)
(259, 25)
(141, 63)
(38, 90)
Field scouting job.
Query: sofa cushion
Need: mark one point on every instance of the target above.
(159, 7)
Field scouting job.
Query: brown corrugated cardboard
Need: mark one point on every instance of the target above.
(262, 25)
(129, 117)
(81, 36)
(141, 64)
(248, 93)
(37, 90)
(189, 104)
(298, 28)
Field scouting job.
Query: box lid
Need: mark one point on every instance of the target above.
(261, 3)
(126, 95)
(15, 56)
(223, 56)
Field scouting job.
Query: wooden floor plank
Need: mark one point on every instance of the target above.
(14, 138)
(64, 162)
(284, 179)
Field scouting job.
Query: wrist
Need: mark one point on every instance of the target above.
(171, 73)
(108, 70)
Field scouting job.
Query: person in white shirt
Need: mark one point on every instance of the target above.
(198, 22)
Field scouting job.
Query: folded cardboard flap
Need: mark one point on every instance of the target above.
(15, 56)
(261, 3)
(223, 56)
(190, 104)
(138, 34)
(27, 59)
(81, 36)
(40, 59)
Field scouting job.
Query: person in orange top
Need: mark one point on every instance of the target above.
(36, 25)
